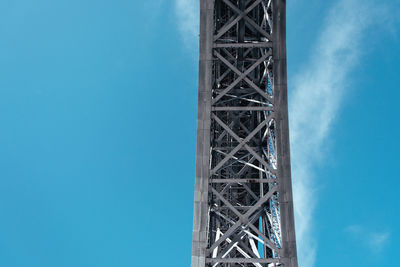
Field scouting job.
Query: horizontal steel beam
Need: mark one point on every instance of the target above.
(248, 108)
(243, 45)
(241, 260)
(216, 181)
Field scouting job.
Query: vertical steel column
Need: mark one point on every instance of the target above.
(201, 207)
(289, 253)
(243, 211)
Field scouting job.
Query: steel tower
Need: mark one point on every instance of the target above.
(243, 211)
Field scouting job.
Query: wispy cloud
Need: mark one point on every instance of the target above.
(374, 240)
(314, 104)
(187, 12)
(378, 241)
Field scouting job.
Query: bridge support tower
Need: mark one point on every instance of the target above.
(243, 211)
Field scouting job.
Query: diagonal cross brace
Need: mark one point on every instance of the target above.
(243, 76)
(238, 236)
(243, 14)
(257, 156)
(226, 27)
(244, 219)
(239, 146)
(246, 216)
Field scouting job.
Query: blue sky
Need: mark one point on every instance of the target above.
(98, 122)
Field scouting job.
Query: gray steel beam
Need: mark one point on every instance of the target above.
(289, 253)
(200, 216)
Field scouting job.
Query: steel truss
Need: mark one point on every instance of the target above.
(243, 213)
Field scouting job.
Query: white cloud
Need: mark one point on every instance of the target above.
(187, 12)
(378, 241)
(314, 104)
(374, 240)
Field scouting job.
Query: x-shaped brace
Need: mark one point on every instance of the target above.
(241, 144)
(242, 76)
(244, 219)
(243, 14)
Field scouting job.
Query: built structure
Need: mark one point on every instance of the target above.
(243, 211)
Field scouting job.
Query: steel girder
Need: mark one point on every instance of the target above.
(243, 212)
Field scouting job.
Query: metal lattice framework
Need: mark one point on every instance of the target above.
(243, 214)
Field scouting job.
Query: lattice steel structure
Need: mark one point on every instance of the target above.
(243, 212)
